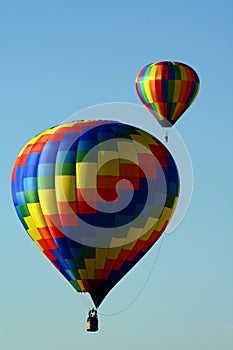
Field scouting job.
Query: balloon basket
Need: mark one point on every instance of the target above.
(92, 325)
(92, 321)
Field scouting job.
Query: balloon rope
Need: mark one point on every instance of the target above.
(142, 288)
(87, 304)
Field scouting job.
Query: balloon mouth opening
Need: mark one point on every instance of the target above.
(166, 123)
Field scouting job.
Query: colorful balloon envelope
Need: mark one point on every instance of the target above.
(94, 196)
(167, 89)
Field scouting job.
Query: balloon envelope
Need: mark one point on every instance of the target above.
(94, 196)
(167, 89)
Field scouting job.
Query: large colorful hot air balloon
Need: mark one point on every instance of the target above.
(167, 89)
(94, 196)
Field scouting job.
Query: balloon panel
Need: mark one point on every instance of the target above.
(94, 196)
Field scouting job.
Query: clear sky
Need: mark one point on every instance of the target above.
(58, 57)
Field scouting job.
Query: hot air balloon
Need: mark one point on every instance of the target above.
(94, 196)
(167, 89)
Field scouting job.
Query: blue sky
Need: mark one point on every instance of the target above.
(60, 57)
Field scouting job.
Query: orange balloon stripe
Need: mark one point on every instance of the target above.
(153, 89)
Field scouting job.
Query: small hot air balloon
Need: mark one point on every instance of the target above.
(94, 196)
(167, 89)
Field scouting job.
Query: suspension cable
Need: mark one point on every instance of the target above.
(143, 286)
